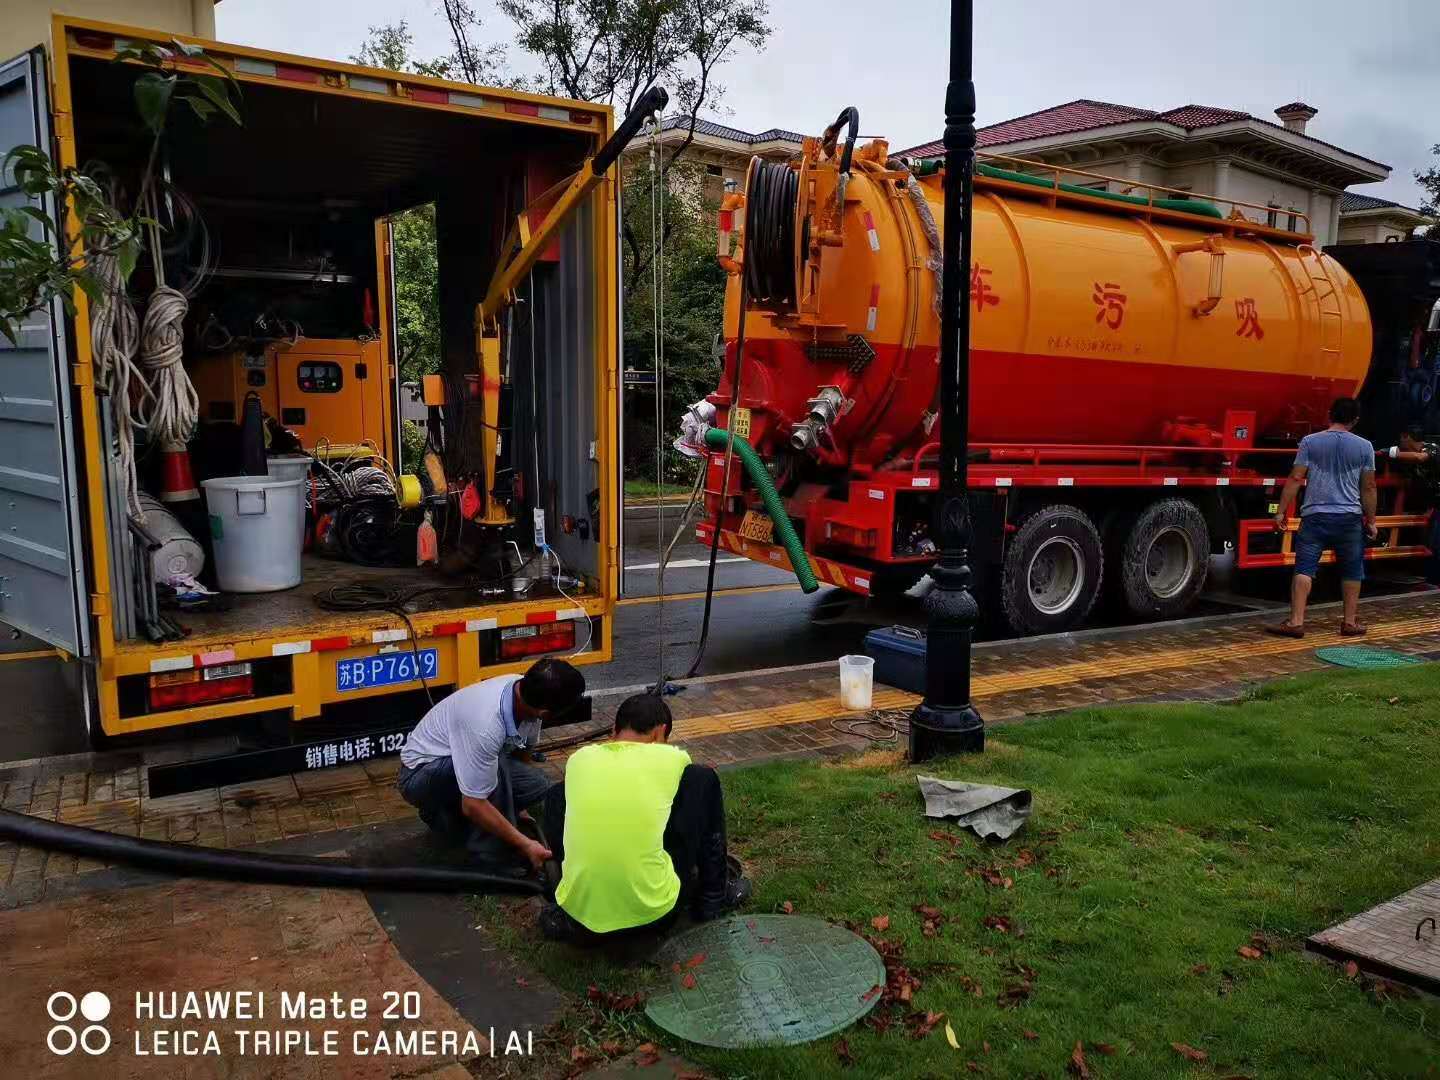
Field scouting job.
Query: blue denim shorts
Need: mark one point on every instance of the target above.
(1343, 534)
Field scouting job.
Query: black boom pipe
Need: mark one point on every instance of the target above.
(653, 100)
(185, 860)
(849, 119)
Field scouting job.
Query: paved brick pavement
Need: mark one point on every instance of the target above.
(210, 937)
(722, 721)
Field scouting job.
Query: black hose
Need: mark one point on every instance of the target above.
(744, 306)
(849, 119)
(770, 197)
(186, 860)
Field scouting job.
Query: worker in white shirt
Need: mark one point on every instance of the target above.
(467, 766)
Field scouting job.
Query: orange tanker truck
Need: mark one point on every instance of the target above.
(1142, 364)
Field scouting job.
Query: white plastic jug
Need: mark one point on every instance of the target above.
(258, 526)
(857, 681)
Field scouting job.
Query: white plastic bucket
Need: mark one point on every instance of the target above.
(857, 681)
(288, 466)
(258, 526)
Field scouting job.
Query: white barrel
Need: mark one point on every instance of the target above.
(288, 466)
(257, 524)
(179, 554)
(857, 681)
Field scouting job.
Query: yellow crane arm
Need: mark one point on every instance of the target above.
(521, 251)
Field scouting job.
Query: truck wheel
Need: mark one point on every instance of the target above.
(1052, 571)
(1164, 559)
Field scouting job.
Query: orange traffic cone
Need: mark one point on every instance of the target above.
(177, 482)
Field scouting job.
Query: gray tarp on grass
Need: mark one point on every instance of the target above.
(990, 811)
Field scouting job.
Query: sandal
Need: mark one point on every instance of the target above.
(1351, 629)
(1286, 630)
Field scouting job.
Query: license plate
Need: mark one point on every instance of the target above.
(757, 526)
(365, 672)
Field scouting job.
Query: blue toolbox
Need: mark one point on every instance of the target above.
(899, 655)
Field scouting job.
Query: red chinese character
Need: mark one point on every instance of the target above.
(980, 290)
(1249, 319)
(1111, 302)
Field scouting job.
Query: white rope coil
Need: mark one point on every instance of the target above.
(172, 408)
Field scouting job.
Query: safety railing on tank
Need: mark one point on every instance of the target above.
(1060, 180)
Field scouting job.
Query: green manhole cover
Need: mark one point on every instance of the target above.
(1358, 656)
(765, 979)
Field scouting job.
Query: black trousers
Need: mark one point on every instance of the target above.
(694, 839)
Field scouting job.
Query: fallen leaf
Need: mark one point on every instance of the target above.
(950, 1037)
(695, 961)
(1352, 970)
(973, 1066)
(921, 1024)
(1200, 969)
(1024, 857)
(580, 1056)
(1103, 1048)
(945, 838)
(870, 995)
(688, 982)
(1031, 1035)
(788, 908)
(614, 1002)
(1189, 1052)
(610, 1047)
(1392, 701)
(1076, 1064)
(521, 982)
(997, 922)
(925, 911)
(1249, 952)
(647, 1054)
(881, 923)
(985, 1046)
(842, 1051)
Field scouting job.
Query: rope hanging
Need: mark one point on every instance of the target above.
(657, 325)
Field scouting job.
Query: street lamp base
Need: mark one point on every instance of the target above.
(945, 730)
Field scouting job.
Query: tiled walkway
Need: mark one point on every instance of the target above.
(722, 721)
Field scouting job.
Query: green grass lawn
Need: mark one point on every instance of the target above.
(1164, 839)
(648, 489)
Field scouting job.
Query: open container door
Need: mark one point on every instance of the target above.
(42, 574)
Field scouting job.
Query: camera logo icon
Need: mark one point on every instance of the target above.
(63, 1039)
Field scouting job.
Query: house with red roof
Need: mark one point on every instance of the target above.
(1283, 172)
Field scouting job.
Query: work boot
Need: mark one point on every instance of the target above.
(722, 886)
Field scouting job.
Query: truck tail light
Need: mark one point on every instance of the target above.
(222, 682)
(517, 641)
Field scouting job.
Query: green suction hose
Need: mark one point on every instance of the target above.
(718, 439)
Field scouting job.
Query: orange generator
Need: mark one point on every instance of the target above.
(1142, 362)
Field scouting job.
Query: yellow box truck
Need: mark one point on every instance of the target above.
(296, 203)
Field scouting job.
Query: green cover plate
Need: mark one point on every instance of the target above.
(1359, 656)
(765, 980)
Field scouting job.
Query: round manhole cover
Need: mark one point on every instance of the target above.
(758, 979)
(1360, 656)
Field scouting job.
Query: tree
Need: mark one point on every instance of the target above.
(1429, 179)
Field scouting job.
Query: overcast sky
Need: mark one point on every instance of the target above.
(1372, 69)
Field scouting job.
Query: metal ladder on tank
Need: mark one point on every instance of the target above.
(1327, 304)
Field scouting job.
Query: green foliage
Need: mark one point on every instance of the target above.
(694, 293)
(1429, 179)
(417, 291)
(1163, 838)
(38, 263)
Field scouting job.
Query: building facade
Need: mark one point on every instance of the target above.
(1364, 219)
(25, 24)
(723, 153)
(1274, 173)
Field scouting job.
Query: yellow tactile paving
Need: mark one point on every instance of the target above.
(1039, 678)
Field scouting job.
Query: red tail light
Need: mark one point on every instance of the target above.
(519, 641)
(179, 689)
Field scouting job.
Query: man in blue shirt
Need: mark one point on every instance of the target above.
(1338, 470)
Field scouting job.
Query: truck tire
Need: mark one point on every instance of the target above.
(1052, 571)
(1164, 559)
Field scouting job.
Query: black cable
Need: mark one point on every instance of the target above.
(185, 860)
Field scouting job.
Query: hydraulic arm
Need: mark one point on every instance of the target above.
(523, 247)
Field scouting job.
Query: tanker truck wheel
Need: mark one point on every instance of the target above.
(1164, 559)
(1052, 571)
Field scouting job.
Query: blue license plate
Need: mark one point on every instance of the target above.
(365, 672)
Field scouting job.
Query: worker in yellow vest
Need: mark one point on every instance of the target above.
(639, 831)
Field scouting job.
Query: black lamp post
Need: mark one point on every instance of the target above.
(946, 720)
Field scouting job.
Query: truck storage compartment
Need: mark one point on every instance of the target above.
(282, 219)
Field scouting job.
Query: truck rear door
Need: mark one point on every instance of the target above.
(42, 574)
